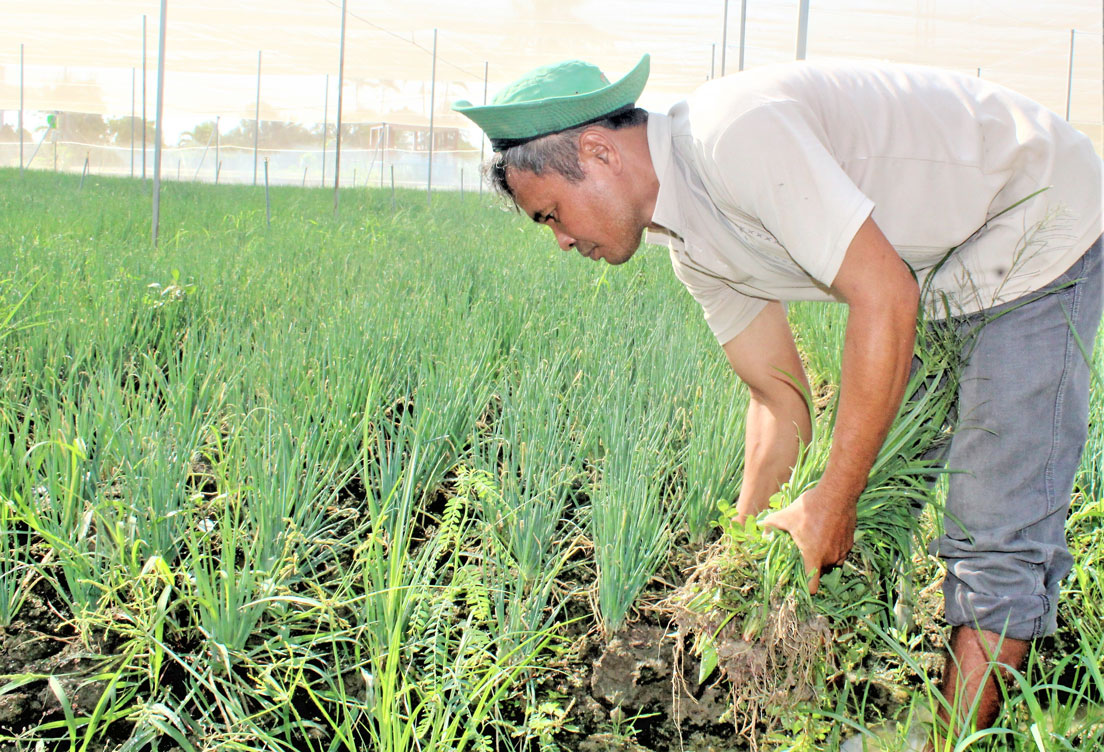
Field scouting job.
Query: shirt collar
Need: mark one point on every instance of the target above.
(667, 212)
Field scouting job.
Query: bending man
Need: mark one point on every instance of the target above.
(864, 184)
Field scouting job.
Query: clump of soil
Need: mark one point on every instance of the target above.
(770, 667)
(624, 697)
(778, 650)
(635, 671)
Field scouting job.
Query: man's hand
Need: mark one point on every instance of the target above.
(822, 527)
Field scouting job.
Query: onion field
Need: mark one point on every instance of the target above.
(409, 478)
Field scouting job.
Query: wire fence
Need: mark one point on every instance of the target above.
(302, 165)
(229, 117)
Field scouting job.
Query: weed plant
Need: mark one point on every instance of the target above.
(747, 603)
(346, 482)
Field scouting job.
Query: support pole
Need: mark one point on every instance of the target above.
(713, 62)
(1069, 84)
(268, 201)
(743, 30)
(159, 129)
(20, 110)
(432, 102)
(724, 37)
(257, 119)
(218, 160)
(133, 86)
(38, 146)
(340, 86)
(206, 148)
(325, 125)
(802, 29)
(483, 138)
(144, 97)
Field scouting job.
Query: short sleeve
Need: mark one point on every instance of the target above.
(727, 311)
(774, 162)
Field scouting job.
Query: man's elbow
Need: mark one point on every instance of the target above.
(909, 299)
(898, 301)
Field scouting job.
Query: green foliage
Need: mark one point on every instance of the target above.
(324, 481)
(336, 483)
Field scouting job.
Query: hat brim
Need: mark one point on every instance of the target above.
(527, 120)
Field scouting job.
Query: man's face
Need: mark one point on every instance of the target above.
(593, 216)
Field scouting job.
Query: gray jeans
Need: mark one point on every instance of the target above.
(1022, 422)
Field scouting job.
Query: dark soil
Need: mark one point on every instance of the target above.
(38, 645)
(624, 697)
(620, 690)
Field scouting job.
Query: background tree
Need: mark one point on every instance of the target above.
(200, 135)
(9, 134)
(118, 131)
(82, 127)
(274, 134)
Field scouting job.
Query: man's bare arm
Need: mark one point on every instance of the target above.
(883, 298)
(765, 358)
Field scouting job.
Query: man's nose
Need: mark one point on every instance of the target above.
(565, 241)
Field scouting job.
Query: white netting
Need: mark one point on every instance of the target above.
(84, 61)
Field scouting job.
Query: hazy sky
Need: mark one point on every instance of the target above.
(79, 55)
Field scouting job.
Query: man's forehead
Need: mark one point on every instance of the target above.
(530, 190)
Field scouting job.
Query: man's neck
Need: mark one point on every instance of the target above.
(643, 181)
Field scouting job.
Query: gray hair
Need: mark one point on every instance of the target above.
(557, 152)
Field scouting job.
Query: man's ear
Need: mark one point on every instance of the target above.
(598, 148)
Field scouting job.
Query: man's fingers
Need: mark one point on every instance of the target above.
(812, 570)
(814, 579)
(779, 520)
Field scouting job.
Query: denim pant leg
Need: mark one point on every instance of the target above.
(1022, 423)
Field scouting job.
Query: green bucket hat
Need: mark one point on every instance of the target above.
(553, 98)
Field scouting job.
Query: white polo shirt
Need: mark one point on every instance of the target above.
(765, 177)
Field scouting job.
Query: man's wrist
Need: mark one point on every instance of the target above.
(839, 494)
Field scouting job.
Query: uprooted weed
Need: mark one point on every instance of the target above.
(746, 609)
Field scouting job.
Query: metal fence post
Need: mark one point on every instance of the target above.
(340, 82)
(1069, 83)
(159, 131)
(432, 102)
(257, 119)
